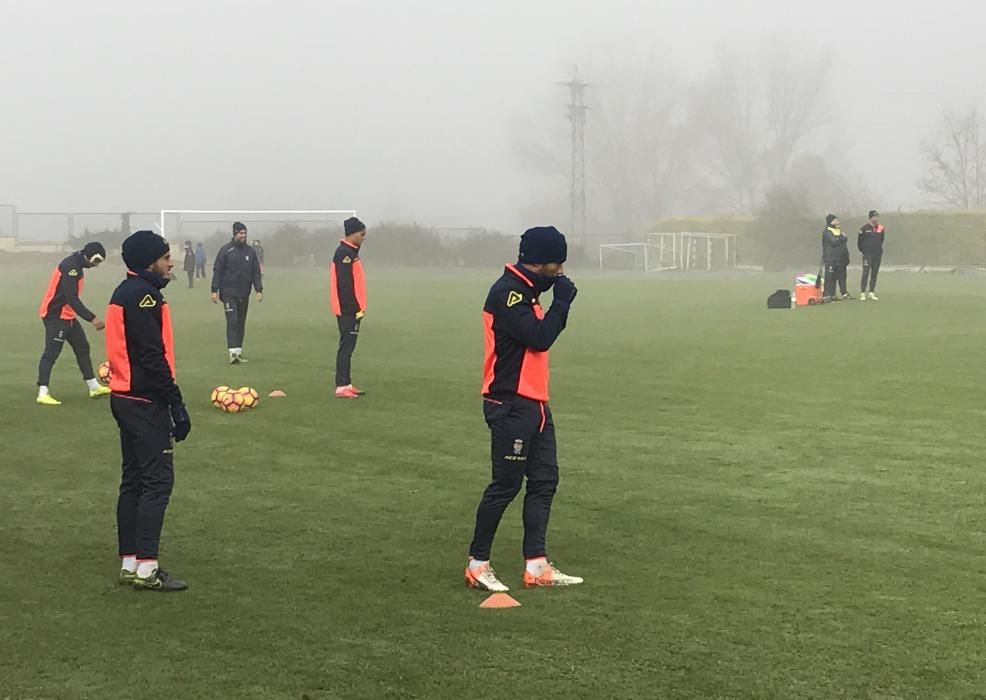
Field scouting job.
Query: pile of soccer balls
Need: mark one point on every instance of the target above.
(235, 400)
(103, 374)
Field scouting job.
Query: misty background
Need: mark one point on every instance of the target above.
(451, 114)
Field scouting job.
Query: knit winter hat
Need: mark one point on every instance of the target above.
(142, 248)
(353, 225)
(543, 244)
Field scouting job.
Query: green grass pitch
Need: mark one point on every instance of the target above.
(783, 504)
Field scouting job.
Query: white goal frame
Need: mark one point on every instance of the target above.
(676, 251)
(245, 213)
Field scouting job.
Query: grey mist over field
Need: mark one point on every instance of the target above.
(452, 114)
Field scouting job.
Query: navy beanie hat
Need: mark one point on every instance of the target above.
(353, 225)
(143, 248)
(543, 244)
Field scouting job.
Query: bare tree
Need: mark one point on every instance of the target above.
(635, 144)
(956, 161)
(757, 109)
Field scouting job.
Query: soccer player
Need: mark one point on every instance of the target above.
(148, 408)
(835, 255)
(235, 269)
(60, 308)
(515, 405)
(199, 261)
(347, 296)
(188, 264)
(870, 244)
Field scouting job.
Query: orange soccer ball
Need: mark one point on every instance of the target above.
(104, 373)
(233, 402)
(218, 394)
(250, 396)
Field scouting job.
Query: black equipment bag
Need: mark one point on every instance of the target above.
(781, 299)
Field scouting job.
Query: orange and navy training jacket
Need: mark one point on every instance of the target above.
(139, 340)
(61, 299)
(870, 239)
(518, 336)
(347, 286)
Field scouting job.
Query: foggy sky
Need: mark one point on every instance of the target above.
(403, 110)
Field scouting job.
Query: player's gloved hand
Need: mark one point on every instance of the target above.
(564, 290)
(182, 421)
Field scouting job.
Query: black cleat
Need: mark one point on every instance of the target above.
(161, 581)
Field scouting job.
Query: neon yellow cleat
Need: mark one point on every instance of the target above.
(49, 400)
(101, 391)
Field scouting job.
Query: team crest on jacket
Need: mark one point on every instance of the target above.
(148, 302)
(73, 273)
(347, 259)
(518, 446)
(514, 298)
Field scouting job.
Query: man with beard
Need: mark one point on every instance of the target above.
(234, 271)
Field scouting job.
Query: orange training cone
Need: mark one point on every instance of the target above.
(500, 600)
(277, 392)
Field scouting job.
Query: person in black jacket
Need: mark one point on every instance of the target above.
(835, 255)
(870, 244)
(148, 407)
(188, 264)
(347, 298)
(61, 308)
(234, 271)
(518, 335)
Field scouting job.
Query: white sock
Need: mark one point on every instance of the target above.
(129, 562)
(93, 384)
(146, 567)
(537, 566)
(477, 563)
(42, 391)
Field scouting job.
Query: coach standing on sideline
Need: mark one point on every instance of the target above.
(870, 244)
(147, 405)
(515, 405)
(234, 271)
(835, 255)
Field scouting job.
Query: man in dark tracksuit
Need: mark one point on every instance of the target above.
(347, 297)
(147, 406)
(835, 255)
(234, 271)
(515, 405)
(60, 309)
(188, 264)
(870, 244)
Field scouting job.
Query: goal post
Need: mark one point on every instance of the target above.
(219, 216)
(684, 251)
